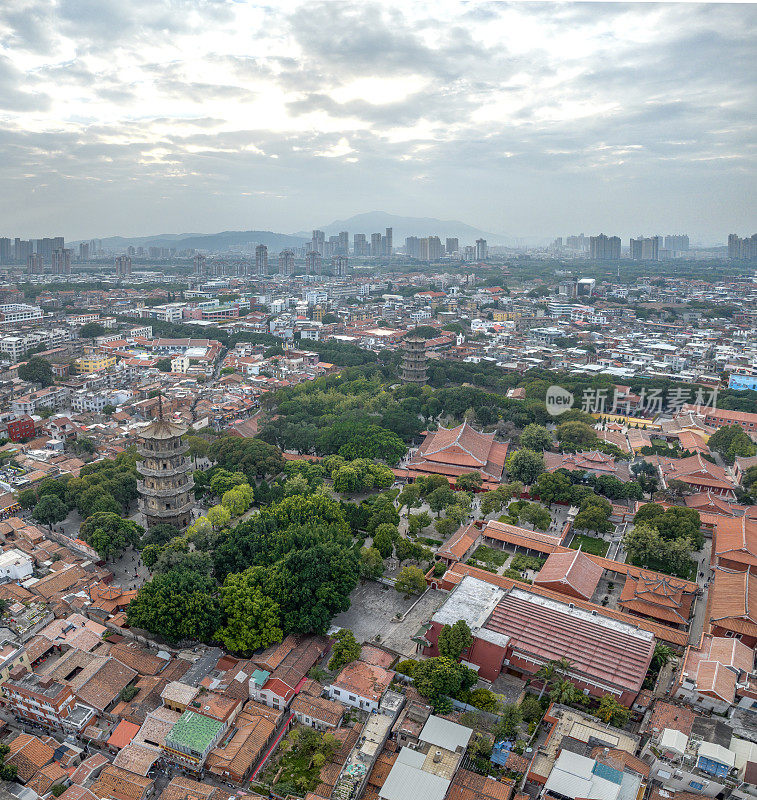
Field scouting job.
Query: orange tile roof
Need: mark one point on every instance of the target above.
(47, 777)
(732, 602)
(123, 734)
(459, 448)
(572, 569)
(468, 785)
(364, 680)
(460, 542)
(736, 539)
(659, 596)
(29, 754)
(667, 715)
(116, 783)
(238, 753)
(513, 534)
(318, 708)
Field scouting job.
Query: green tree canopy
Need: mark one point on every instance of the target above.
(435, 678)
(410, 580)
(49, 510)
(37, 370)
(345, 649)
(371, 563)
(454, 639)
(730, 441)
(251, 620)
(525, 466)
(469, 480)
(576, 435)
(177, 605)
(110, 534)
(91, 330)
(646, 548)
(536, 437)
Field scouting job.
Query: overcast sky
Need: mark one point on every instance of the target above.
(138, 117)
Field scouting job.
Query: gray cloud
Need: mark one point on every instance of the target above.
(652, 126)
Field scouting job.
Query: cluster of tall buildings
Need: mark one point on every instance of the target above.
(642, 248)
(603, 248)
(430, 248)
(742, 249)
(379, 246)
(285, 262)
(18, 250)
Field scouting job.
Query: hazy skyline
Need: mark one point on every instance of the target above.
(528, 119)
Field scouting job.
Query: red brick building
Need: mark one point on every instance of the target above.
(21, 428)
(517, 631)
(37, 698)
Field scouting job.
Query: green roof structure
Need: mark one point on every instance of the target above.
(194, 732)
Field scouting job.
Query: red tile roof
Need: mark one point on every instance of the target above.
(547, 630)
(663, 632)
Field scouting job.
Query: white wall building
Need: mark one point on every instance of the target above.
(15, 565)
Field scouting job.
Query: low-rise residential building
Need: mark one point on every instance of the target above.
(15, 565)
(39, 698)
(192, 738)
(360, 685)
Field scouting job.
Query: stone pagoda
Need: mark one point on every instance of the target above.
(166, 485)
(413, 366)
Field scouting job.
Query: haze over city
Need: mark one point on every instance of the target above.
(531, 119)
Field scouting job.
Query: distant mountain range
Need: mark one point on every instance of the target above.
(213, 242)
(377, 221)
(371, 222)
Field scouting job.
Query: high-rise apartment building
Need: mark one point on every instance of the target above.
(317, 242)
(343, 244)
(604, 248)
(579, 242)
(286, 262)
(678, 243)
(646, 249)
(434, 248)
(200, 265)
(423, 249)
(5, 251)
(340, 266)
(261, 260)
(388, 243)
(34, 264)
(469, 253)
(123, 266)
(482, 250)
(61, 261)
(22, 250)
(313, 263)
(83, 251)
(452, 245)
(376, 245)
(742, 249)
(412, 247)
(360, 246)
